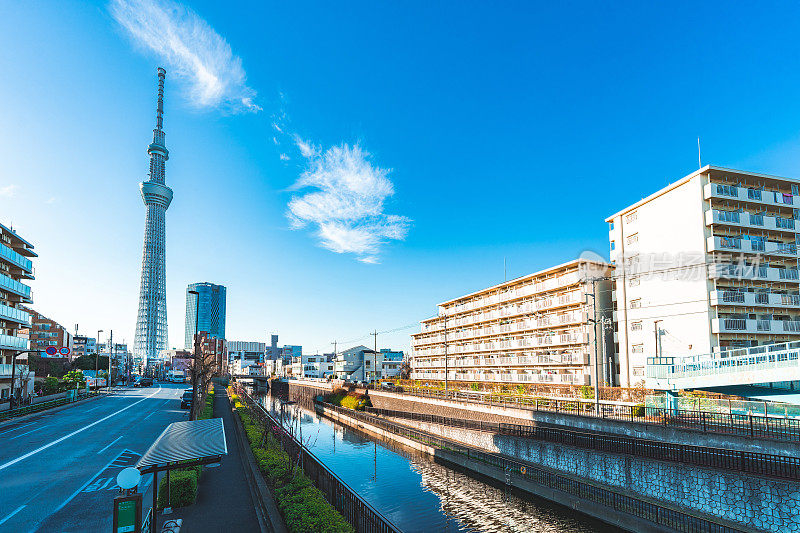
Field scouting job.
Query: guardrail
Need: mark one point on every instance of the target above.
(763, 464)
(43, 406)
(360, 514)
(749, 425)
(671, 518)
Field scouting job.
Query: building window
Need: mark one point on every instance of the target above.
(612, 246)
(633, 282)
(636, 303)
(637, 348)
(632, 239)
(611, 225)
(636, 326)
(638, 371)
(631, 217)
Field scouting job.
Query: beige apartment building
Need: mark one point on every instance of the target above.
(705, 264)
(539, 328)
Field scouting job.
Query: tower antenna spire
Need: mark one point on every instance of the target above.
(160, 110)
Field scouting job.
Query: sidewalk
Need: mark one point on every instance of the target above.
(224, 501)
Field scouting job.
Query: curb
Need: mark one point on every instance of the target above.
(10, 421)
(258, 487)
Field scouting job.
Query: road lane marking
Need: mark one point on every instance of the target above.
(107, 446)
(15, 511)
(85, 485)
(65, 437)
(16, 428)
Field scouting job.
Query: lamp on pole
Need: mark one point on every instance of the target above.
(194, 362)
(97, 356)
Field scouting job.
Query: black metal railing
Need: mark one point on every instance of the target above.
(360, 514)
(676, 520)
(764, 464)
(745, 425)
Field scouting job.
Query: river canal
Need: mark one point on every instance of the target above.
(418, 495)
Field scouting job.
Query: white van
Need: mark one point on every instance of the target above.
(176, 376)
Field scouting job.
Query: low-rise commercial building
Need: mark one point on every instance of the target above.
(539, 328)
(83, 345)
(364, 364)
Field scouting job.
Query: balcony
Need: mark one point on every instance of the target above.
(17, 260)
(750, 220)
(754, 299)
(8, 342)
(751, 272)
(742, 325)
(8, 284)
(744, 194)
(736, 244)
(5, 370)
(15, 315)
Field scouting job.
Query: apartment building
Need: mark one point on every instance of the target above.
(82, 345)
(705, 264)
(15, 267)
(45, 332)
(391, 363)
(313, 366)
(540, 328)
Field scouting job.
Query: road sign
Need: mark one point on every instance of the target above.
(128, 514)
(51, 350)
(64, 350)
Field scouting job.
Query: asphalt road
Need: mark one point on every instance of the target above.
(58, 470)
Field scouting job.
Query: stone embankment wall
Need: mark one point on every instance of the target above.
(760, 503)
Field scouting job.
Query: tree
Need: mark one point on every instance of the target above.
(87, 362)
(405, 370)
(48, 366)
(75, 380)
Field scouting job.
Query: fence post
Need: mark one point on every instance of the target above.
(750, 415)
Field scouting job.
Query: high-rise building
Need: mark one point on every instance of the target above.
(210, 311)
(151, 321)
(15, 267)
(45, 332)
(539, 328)
(706, 264)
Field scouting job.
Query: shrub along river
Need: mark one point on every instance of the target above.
(415, 493)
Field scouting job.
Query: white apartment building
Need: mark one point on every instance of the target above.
(705, 264)
(539, 328)
(312, 366)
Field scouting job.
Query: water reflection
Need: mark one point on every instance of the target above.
(416, 493)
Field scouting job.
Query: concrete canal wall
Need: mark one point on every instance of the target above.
(601, 512)
(760, 503)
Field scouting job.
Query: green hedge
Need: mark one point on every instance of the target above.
(182, 488)
(302, 505)
(349, 400)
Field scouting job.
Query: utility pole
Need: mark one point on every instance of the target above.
(375, 357)
(658, 337)
(110, 355)
(609, 373)
(593, 320)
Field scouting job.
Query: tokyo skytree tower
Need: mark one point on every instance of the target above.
(151, 322)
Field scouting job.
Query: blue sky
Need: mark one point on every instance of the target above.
(425, 143)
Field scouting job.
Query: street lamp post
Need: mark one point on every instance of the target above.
(194, 362)
(97, 357)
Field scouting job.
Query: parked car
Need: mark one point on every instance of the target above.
(143, 382)
(186, 399)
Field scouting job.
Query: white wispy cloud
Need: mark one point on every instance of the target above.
(344, 201)
(191, 49)
(8, 191)
(51, 200)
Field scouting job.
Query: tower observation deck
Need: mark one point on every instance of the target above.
(151, 320)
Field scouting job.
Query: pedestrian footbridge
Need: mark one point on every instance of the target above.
(769, 363)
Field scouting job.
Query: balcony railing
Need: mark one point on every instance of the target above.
(14, 286)
(10, 342)
(5, 370)
(757, 220)
(23, 262)
(735, 324)
(733, 297)
(17, 315)
(763, 325)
